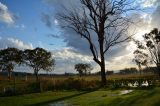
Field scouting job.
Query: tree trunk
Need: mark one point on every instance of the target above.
(36, 74)
(102, 64)
(158, 67)
(39, 89)
(103, 74)
(140, 69)
(9, 75)
(37, 78)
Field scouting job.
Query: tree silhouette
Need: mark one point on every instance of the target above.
(38, 59)
(83, 68)
(9, 58)
(151, 46)
(104, 20)
(141, 58)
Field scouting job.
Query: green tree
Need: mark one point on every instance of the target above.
(151, 46)
(9, 58)
(39, 59)
(83, 68)
(103, 20)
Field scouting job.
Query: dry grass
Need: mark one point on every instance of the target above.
(88, 78)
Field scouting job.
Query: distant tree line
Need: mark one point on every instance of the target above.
(107, 73)
(152, 70)
(128, 71)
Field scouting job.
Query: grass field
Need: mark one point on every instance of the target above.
(23, 86)
(100, 97)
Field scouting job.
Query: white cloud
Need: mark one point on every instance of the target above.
(121, 62)
(68, 57)
(5, 15)
(11, 42)
(146, 3)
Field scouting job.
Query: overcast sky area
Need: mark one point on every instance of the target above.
(27, 24)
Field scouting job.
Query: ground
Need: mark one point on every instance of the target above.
(101, 97)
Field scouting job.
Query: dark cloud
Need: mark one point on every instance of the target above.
(54, 36)
(51, 44)
(47, 20)
(75, 41)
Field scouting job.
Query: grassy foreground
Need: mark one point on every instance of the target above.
(149, 97)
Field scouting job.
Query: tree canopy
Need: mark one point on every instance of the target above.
(9, 58)
(38, 59)
(151, 47)
(83, 69)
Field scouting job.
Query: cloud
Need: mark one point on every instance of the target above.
(156, 17)
(121, 62)
(5, 15)
(47, 20)
(11, 42)
(54, 36)
(70, 37)
(147, 3)
(66, 59)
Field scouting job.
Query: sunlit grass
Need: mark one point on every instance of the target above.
(93, 98)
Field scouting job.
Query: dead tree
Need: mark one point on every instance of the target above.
(104, 19)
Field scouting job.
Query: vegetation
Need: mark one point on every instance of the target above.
(129, 71)
(100, 97)
(100, 18)
(83, 69)
(19, 85)
(150, 46)
(9, 58)
(141, 59)
(103, 24)
(38, 59)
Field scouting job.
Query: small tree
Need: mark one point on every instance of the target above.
(9, 58)
(151, 46)
(83, 68)
(141, 59)
(38, 59)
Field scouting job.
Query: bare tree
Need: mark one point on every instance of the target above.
(104, 20)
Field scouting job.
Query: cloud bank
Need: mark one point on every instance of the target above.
(12, 42)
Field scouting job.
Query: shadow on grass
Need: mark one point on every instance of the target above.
(62, 98)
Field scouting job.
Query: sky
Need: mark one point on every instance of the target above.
(27, 24)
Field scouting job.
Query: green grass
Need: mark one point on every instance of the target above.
(101, 97)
